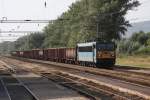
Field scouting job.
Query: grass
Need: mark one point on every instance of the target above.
(135, 61)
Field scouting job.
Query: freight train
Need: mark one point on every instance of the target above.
(98, 54)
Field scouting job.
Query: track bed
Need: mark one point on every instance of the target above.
(112, 80)
(20, 84)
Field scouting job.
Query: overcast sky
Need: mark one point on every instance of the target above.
(35, 9)
(141, 13)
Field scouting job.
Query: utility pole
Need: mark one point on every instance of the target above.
(100, 17)
(99, 33)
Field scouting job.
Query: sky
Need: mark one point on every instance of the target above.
(141, 13)
(36, 10)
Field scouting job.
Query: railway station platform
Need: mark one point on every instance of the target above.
(29, 86)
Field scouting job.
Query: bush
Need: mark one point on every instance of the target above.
(128, 47)
(138, 43)
(132, 47)
(140, 37)
(148, 42)
(143, 50)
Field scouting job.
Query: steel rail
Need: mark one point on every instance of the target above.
(13, 69)
(78, 69)
(93, 87)
(103, 72)
(5, 89)
(77, 89)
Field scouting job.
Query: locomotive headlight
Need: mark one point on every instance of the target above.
(112, 54)
(99, 54)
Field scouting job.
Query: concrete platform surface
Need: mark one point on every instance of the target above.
(45, 89)
(41, 88)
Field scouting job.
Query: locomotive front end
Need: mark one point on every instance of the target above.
(106, 54)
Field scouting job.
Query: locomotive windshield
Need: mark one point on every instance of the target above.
(109, 47)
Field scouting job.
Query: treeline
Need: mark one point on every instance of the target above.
(80, 23)
(32, 41)
(6, 47)
(138, 43)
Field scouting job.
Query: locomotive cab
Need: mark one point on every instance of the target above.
(106, 55)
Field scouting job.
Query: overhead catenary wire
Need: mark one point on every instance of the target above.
(26, 21)
(12, 35)
(4, 20)
(20, 32)
(30, 21)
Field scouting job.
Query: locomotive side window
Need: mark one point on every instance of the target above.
(85, 49)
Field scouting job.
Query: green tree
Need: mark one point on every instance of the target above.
(110, 14)
(141, 37)
(32, 41)
(148, 42)
(6, 47)
(83, 17)
(36, 40)
(138, 43)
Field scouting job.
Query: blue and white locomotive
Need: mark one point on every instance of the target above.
(96, 54)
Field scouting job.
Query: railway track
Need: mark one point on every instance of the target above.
(80, 85)
(127, 71)
(85, 87)
(17, 90)
(131, 96)
(133, 70)
(129, 76)
(14, 89)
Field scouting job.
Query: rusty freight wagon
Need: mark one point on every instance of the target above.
(21, 53)
(17, 53)
(70, 55)
(61, 55)
(50, 54)
(26, 54)
(37, 54)
(55, 54)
